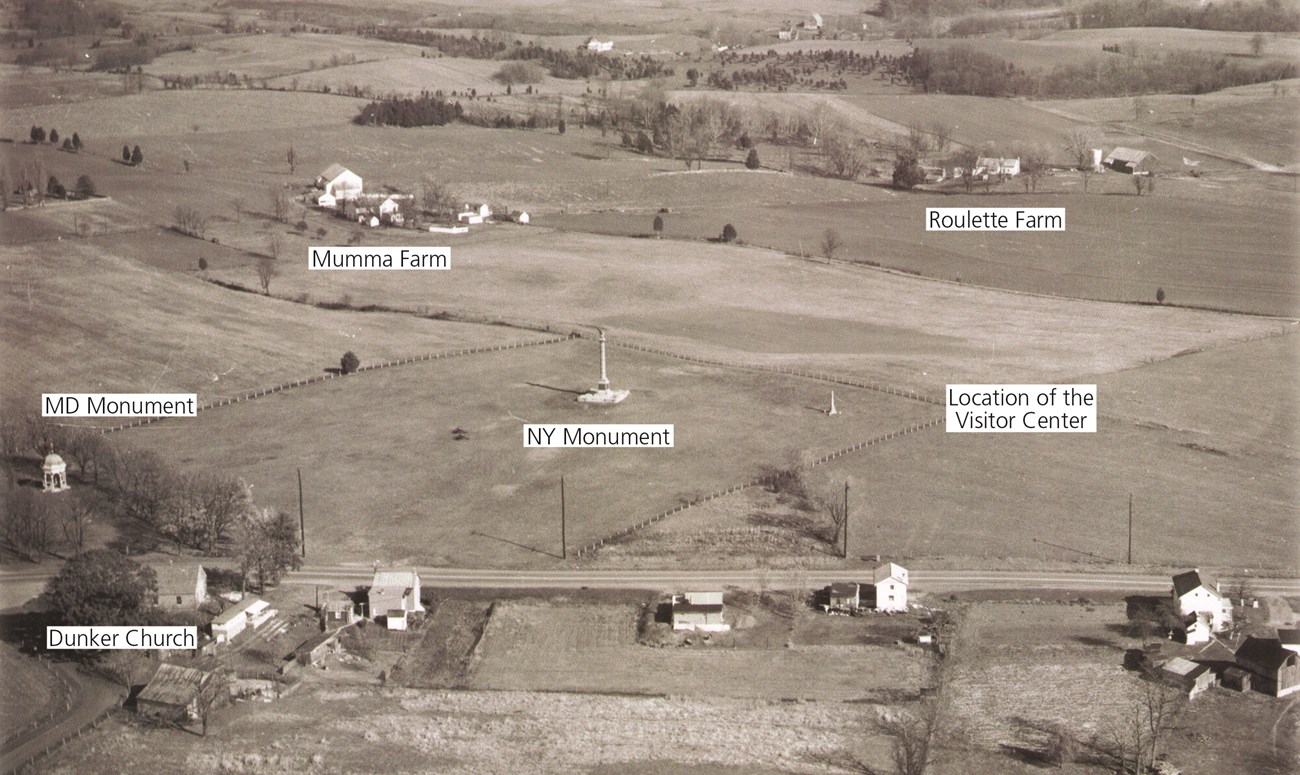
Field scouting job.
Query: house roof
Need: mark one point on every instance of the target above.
(1183, 667)
(1288, 637)
(1265, 652)
(341, 604)
(388, 580)
(177, 578)
(843, 589)
(1127, 156)
(52, 460)
(333, 171)
(249, 603)
(173, 685)
(889, 571)
(1186, 582)
(703, 598)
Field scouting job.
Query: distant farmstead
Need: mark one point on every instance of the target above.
(699, 611)
(594, 44)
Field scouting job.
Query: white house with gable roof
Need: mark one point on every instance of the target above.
(890, 584)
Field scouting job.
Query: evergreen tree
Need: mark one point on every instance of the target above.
(76, 141)
(136, 156)
(54, 136)
(751, 161)
(126, 154)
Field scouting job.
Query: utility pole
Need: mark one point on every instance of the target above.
(1130, 528)
(846, 520)
(564, 544)
(302, 520)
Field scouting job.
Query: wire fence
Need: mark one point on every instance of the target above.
(29, 766)
(759, 481)
(305, 381)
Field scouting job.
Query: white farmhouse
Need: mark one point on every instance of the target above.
(1198, 593)
(994, 165)
(890, 583)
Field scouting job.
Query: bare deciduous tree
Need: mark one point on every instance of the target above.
(266, 268)
(279, 203)
(966, 160)
(843, 156)
(831, 243)
(1136, 738)
(1079, 142)
(911, 735)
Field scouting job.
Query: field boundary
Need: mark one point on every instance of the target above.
(757, 481)
(304, 382)
(821, 376)
(94, 723)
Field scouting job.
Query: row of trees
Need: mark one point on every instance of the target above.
(38, 135)
(133, 156)
(1238, 16)
(30, 185)
(961, 69)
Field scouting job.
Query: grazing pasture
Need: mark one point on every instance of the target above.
(414, 74)
(486, 500)
(31, 689)
(739, 302)
(85, 315)
(1117, 246)
(268, 56)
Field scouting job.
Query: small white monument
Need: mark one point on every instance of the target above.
(602, 394)
(55, 473)
(832, 411)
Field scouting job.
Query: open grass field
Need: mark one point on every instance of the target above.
(724, 300)
(593, 649)
(405, 730)
(168, 331)
(25, 87)
(420, 509)
(1092, 260)
(413, 74)
(268, 56)
(1255, 122)
(942, 495)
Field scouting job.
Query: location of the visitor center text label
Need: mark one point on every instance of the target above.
(1021, 408)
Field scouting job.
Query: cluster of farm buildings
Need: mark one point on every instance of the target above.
(1130, 161)
(342, 192)
(1267, 665)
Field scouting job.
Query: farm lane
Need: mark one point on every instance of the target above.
(91, 697)
(928, 581)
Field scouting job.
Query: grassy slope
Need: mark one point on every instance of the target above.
(719, 298)
(1094, 258)
(88, 317)
(25, 692)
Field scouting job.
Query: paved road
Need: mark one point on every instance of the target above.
(922, 580)
(91, 696)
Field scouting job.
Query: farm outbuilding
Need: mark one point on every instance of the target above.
(250, 612)
(1236, 679)
(173, 693)
(843, 596)
(338, 613)
(699, 611)
(1190, 677)
(340, 182)
(1129, 160)
(1274, 669)
(315, 649)
(180, 585)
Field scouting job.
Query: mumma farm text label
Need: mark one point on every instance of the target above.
(994, 219)
(378, 258)
(1022, 408)
(606, 435)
